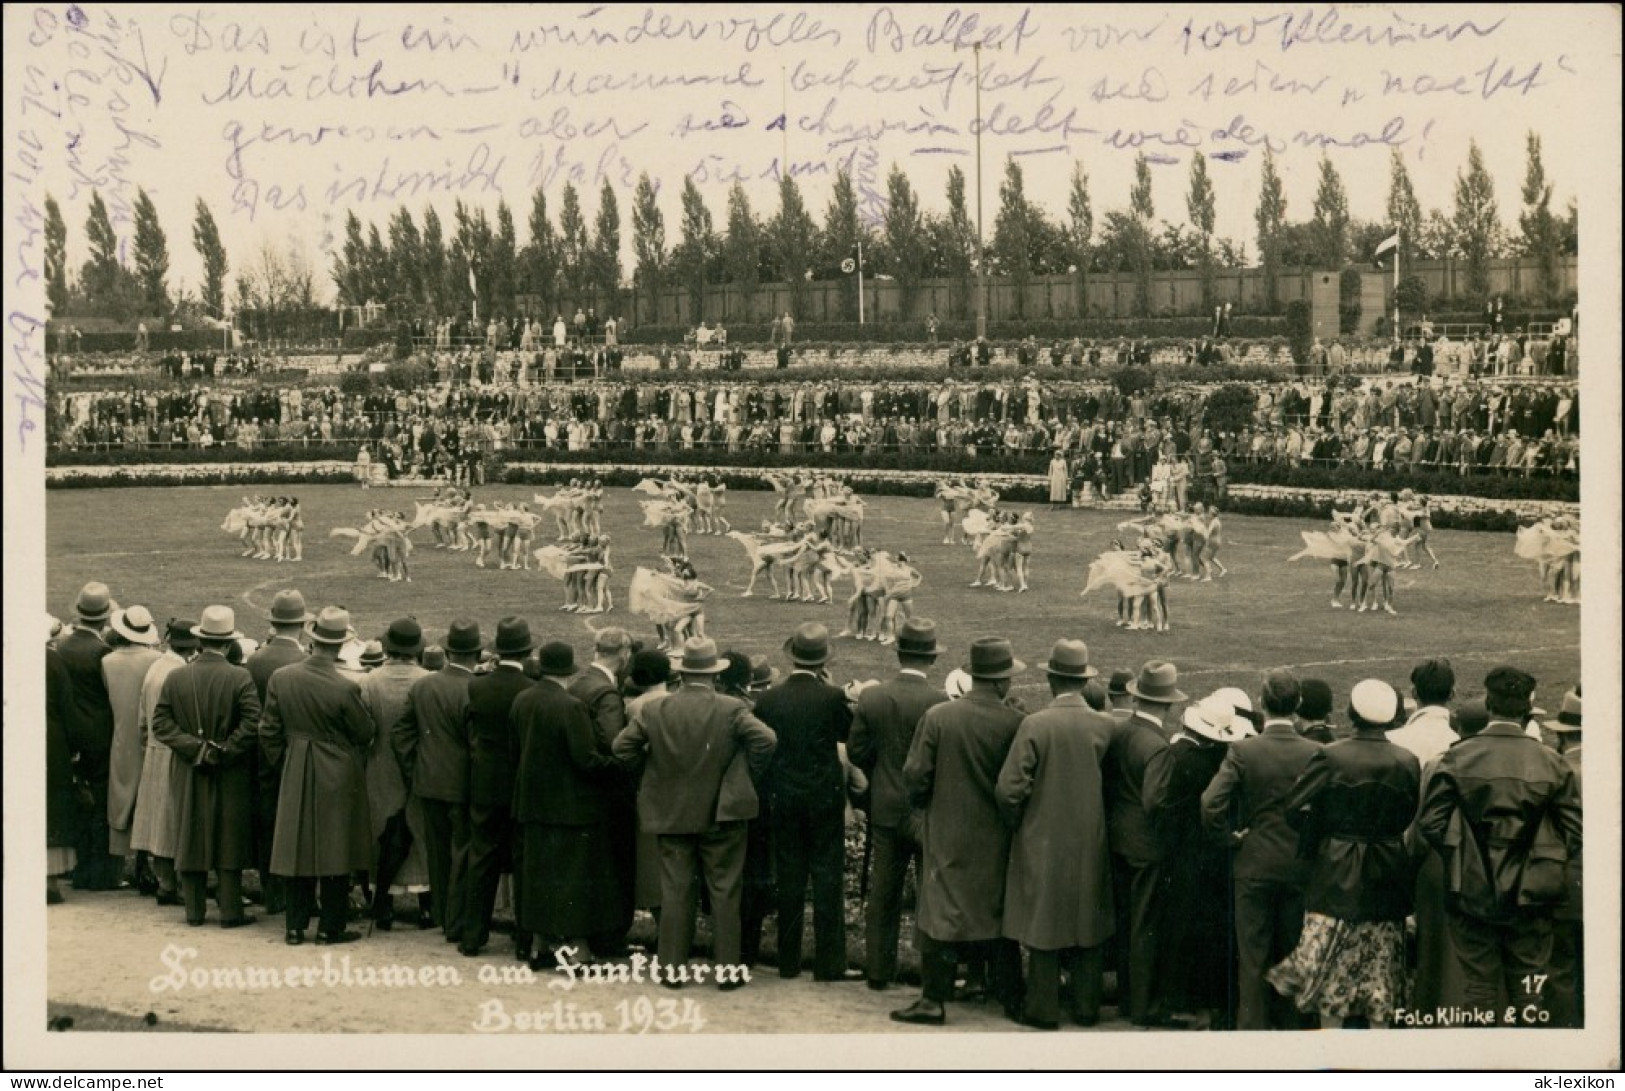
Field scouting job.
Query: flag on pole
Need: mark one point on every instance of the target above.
(1386, 245)
(475, 288)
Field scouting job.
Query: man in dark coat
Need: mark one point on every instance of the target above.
(952, 767)
(1504, 812)
(288, 618)
(698, 751)
(1058, 895)
(883, 726)
(1137, 854)
(90, 736)
(599, 688)
(61, 805)
(431, 742)
(812, 720)
(484, 706)
(316, 730)
(568, 899)
(208, 714)
(1246, 803)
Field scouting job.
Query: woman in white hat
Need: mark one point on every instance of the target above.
(134, 638)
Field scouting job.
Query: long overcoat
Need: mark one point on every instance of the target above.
(952, 767)
(123, 671)
(316, 730)
(209, 700)
(1058, 891)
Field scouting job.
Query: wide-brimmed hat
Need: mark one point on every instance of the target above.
(1568, 716)
(219, 623)
(1070, 659)
(403, 637)
(957, 684)
(288, 608)
(136, 625)
(556, 659)
(918, 636)
(95, 602)
(372, 655)
(993, 657)
(513, 638)
(178, 634)
(332, 626)
(1159, 683)
(762, 673)
(1216, 718)
(808, 646)
(1119, 683)
(699, 656)
(463, 637)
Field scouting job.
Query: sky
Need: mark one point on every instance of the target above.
(286, 118)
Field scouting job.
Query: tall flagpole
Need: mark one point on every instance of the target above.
(981, 250)
(860, 276)
(1397, 336)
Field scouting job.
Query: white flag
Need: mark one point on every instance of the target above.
(1390, 243)
(475, 288)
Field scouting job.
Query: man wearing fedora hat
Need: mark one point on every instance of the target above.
(1137, 853)
(686, 743)
(1503, 811)
(398, 829)
(599, 688)
(479, 834)
(208, 714)
(90, 734)
(288, 618)
(566, 896)
(883, 726)
(1245, 803)
(1567, 1001)
(154, 828)
(1058, 899)
(134, 638)
(316, 730)
(952, 767)
(812, 720)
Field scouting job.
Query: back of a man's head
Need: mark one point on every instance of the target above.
(1434, 681)
(1280, 694)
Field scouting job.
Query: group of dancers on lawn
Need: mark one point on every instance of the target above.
(269, 527)
(1170, 545)
(1367, 545)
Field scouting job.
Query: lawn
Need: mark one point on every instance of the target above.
(164, 549)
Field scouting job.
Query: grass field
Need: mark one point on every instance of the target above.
(163, 548)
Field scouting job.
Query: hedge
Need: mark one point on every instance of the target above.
(1242, 327)
(123, 341)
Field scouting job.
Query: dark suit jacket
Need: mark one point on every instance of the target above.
(1127, 821)
(559, 764)
(882, 730)
(488, 728)
(686, 742)
(1249, 792)
(604, 702)
(431, 738)
(271, 657)
(90, 720)
(810, 717)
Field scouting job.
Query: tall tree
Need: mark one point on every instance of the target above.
(1143, 210)
(742, 248)
(1199, 205)
(574, 248)
(380, 274)
(1331, 218)
(959, 255)
(1012, 234)
(56, 256)
(1270, 216)
(434, 263)
(107, 284)
(151, 256)
(349, 264)
(406, 258)
(606, 247)
(1404, 211)
(541, 256)
(905, 238)
(693, 256)
(792, 235)
(1541, 235)
(839, 241)
(1477, 222)
(648, 240)
(1080, 232)
(502, 262)
(206, 241)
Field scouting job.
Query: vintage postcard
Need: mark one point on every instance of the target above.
(868, 535)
